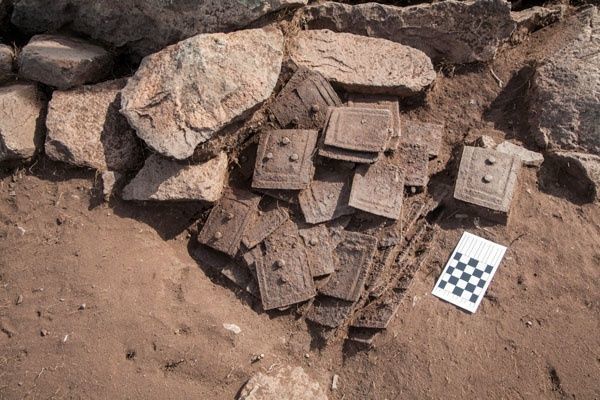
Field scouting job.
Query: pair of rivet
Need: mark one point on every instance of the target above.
(294, 157)
(488, 178)
(285, 141)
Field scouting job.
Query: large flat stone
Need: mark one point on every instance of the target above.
(287, 383)
(162, 179)
(450, 31)
(142, 26)
(86, 129)
(63, 62)
(362, 64)
(183, 95)
(564, 98)
(22, 122)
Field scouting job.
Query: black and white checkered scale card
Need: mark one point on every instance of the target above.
(469, 272)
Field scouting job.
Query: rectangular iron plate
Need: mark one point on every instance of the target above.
(263, 223)
(378, 189)
(390, 103)
(426, 134)
(359, 129)
(476, 165)
(414, 160)
(330, 312)
(284, 159)
(319, 249)
(227, 221)
(353, 255)
(290, 283)
(327, 197)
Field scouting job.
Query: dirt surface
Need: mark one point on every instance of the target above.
(152, 324)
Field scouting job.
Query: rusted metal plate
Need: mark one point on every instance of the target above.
(304, 101)
(231, 269)
(335, 153)
(319, 249)
(227, 221)
(353, 255)
(363, 336)
(263, 223)
(330, 312)
(382, 102)
(284, 159)
(378, 313)
(426, 134)
(487, 178)
(328, 195)
(359, 129)
(283, 273)
(378, 189)
(414, 161)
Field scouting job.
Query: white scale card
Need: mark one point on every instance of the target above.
(469, 272)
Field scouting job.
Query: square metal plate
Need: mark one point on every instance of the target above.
(359, 129)
(304, 100)
(487, 178)
(353, 255)
(414, 160)
(378, 189)
(383, 102)
(227, 221)
(284, 159)
(263, 223)
(319, 249)
(328, 195)
(283, 273)
(426, 134)
(329, 312)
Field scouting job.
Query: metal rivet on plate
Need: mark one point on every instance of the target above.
(218, 235)
(491, 160)
(488, 178)
(363, 121)
(314, 242)
(315, 108)
(285, 141)
(229, 216)
(269, 156)
(280, 263)
(294, 157)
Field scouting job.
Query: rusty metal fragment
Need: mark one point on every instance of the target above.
(425, 134)
(328, 195)
(353, 255)
(263, 223)
(319, 249)
(227, 221)
(378, 189)
(362, 335)
(382, 102)
(288, 196)
(359, 129)
(414, 160)
(335, 153)
(330, 312)
(304, 101)
(487, 178)
(283, 273)
(284, 159)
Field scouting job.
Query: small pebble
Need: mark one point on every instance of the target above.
(257, 358)
(334, 382)
(529, 324)
(82, 306)
(19, 299)
(44, 332)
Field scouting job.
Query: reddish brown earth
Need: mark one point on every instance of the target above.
(152, 323)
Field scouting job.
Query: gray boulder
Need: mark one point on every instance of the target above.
(63, 62)
(86, 129)
(183, 95)
(564, 99)
(287, 383)
(363, 64)
(162, 179)
(450, 31)
(580, 172)
(143, 26)
(22, 122)
(7, 61)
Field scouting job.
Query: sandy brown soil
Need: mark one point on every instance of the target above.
(152, 323)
